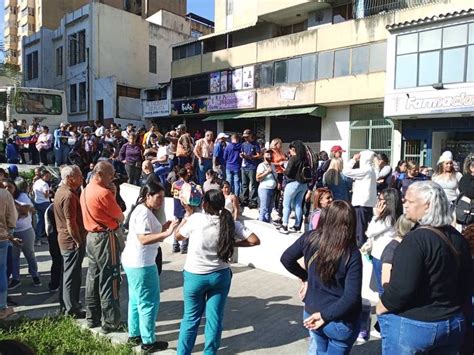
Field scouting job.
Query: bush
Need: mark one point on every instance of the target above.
(59, 335)
(28, 175)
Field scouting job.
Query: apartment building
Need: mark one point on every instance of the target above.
(323, 72)
(103, 67)
(25, 17)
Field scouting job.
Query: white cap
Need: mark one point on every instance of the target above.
(446, 156)
(222, 135)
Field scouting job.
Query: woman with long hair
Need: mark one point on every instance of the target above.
(278, 160)
(447, 177)
(336, 181)
(333, 272)
(138, 259)
(398, 173)
(322, 198)
(231, 200)
(207, 276)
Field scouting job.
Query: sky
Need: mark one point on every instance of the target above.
(2, 11)
(204, 8)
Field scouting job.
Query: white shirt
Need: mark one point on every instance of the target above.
(24, 222)
(380, 233)
(364, 188)
(40, 187)
(202, 230)
(99, 132)
(163, 151)
(135, 254)
(450, 186)
(269, 181)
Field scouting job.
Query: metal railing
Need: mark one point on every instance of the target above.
(364, 8)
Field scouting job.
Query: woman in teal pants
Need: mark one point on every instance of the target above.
(138, 260)
(213, 235)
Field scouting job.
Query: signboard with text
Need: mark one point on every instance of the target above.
(157, 108)
(185, 107)
(429, 102)
(231, 101)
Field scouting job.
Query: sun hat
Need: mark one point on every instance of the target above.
(446, 156)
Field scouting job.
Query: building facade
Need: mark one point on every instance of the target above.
(311, 70)
(103, 67)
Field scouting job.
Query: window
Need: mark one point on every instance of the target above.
(35, 103)
(342, 13)
(308, 67)
(378, 57)
(453, 65)
(294, 70)
(200, 85)
(325, 65)
(181, 88)
(229, 12)
(32, 66)
(454, 36)
(82, 97)
(127, 91)
(195, 33)
(152, 59)
(471, 33)
(77, 48)
(360, 60)
(428, 71)
(59, 61)
(407, 43)
(82, 47)
(73, 98)
(72, 47)
(295, 28)
(470, 64)
(187, 50)
(430, 40)
(281, 72)
(406, 68)
(266, 75)
(157, 94)
(31, 11)
(342, 62)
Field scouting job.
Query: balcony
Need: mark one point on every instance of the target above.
(10, 31)
(284, 12)
(365, 8)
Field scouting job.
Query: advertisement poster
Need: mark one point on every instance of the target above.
(237, 79)
(156, 108)
(224, 81)
(215, 82)
(248, 76)
(189, 106)
(231, 101)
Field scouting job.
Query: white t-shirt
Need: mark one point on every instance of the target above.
(99, 132)
(450, 186)
(24, 223)
(202, 230)
(135, 254)
(40, 187)
(163, 151)
(269, 181)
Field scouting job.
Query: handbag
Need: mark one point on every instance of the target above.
(117, 233)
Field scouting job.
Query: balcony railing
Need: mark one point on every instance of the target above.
(364, 8)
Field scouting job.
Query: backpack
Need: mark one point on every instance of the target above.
(308, 172)
(464, 209)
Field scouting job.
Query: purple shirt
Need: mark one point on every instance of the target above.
(130, 153)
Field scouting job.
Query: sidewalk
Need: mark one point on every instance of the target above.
(263, 313)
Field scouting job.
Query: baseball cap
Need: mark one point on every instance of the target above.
(247, 133)
(337, 148)
(191, 194)
(222, 135)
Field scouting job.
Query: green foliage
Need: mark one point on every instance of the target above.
(59, 335)
(28, 175)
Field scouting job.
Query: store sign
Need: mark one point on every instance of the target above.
(231, 101)
(185, 107)
(429, 102)
(287, 93)
(157, 108)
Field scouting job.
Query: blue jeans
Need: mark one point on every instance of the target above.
(206, 164)
(161, 172)
(403, 336)
(203, 292)
(294, 193)
(28, 248)
(377, 270)
(40, 224)
(3, 274)
(61, 155)
(143, 302)
(233, 177)
(335, 337)
(266, 199)
(249, 187)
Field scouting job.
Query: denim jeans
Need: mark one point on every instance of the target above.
(294, 192)
(266, 199)
(143, 301)
(28, 248)
(206, 164)
(335, 337)
(377, 270)
(161, 171)
(249, 187)
(40, 224)
(3, 274)
(61, 155)
(233, 177)
(403, 336)
(203, 292)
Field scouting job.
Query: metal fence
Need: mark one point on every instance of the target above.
(364, 8)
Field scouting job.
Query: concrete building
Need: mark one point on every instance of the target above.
(103, 67)
(25, 17)
(312, 70)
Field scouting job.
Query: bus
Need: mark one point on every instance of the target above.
(48, 106)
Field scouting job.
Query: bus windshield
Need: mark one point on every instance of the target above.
(36, 103)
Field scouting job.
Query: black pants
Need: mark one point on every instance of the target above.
(159, 261)
(133, 173)
(363, 217)
(43, 153)
(103, 279)
(57, 261)
(72, 279)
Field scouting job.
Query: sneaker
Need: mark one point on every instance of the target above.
(156, 346)
(184, 251)
(11, 303)
(277, 223)
(93, 324)
(44, 241)
(134, 341)
(79, 315)
(7, 312)
(284, 230)
(14, 284)
(176, 249)
(362, 338)
(38, 243)
(37, 282)
(375, 334)
(121, 328)
(294, 229)
(53, 289)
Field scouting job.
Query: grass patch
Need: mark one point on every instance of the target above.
(59, 335)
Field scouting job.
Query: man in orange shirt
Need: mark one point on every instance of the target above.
(203, 151)
(102, 216)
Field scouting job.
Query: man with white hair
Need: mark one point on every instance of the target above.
(71, 237)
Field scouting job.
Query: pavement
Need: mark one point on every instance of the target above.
(263, 312)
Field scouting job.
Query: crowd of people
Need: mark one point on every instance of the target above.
(414, 226)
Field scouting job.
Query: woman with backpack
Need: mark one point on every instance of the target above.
(295, 188)
(333, 273)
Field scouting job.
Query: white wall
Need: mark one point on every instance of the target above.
(335, 129)
(130, 107)
(105, 89)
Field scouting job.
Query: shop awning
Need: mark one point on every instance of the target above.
(317, 111)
